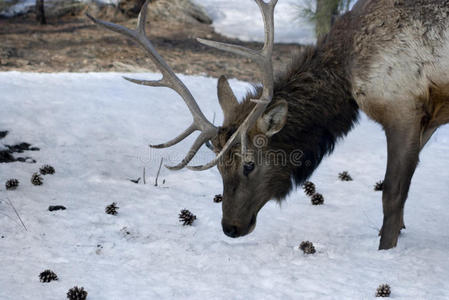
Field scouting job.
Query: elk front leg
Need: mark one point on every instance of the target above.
(426, 134)
(403, 154)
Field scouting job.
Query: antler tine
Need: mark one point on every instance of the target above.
(267, 10)
(229, 143)
(236, 49)
(263, 58)
(200, 140)
(177, 139)
(170, 80)
(240, 132)
(146, 82)
(142, 18)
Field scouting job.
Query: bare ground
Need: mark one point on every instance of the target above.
(75, 44)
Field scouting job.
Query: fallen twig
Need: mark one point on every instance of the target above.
(17, 213)
(158, 171)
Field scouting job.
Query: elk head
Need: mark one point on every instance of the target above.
(252, 178)
(246, 169)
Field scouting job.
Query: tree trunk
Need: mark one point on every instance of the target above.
(325, 16)
(40, 12)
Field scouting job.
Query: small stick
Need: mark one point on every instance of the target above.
(18, 216)
(158, 171)
(144, 180)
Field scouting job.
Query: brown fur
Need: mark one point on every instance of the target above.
(382, 57)
(437, 106)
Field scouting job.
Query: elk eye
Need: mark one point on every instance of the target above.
(247, 168)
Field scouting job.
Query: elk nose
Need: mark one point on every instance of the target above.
(230, 230)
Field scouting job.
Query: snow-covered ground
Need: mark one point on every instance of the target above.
(23, 6)
(232, 15)
(95, 128)
(243, 20)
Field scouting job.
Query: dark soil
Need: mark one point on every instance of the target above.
(6, 156)
(75, 44)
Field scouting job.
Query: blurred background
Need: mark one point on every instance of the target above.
(56, 36)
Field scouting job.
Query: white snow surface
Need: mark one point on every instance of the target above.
(243, 20)
(95, 128)
(23, 6)
(19, 8)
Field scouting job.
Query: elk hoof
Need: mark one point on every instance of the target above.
(388, 239)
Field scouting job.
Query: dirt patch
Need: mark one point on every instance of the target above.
(75, 44)
(6, 155)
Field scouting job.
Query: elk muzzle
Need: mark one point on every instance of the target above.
(237, 229)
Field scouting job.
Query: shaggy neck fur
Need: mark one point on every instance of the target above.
(321, 109)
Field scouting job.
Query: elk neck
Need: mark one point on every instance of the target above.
(321, 109)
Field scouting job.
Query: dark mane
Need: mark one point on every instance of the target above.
(321, 110)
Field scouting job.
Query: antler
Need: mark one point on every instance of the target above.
(170, 80)
(263, 58)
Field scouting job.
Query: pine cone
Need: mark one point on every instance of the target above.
(379, 186)
(37, 179)
(317, 199)
(47, 276)
(111, 209)
(307, 247)
(344, 176)
(186, 217)
(11, 184)
(218, 198)
(47, 169)
(77, 293)
(309, 188)
(383, 290)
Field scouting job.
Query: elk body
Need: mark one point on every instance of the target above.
(389, 58)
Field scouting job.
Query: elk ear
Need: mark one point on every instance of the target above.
(274, 119)
(226, 98)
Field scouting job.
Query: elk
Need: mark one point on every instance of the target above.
(388, 58)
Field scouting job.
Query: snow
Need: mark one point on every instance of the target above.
(232, 15)
(95, 128)
(19, 8)
(23, 6)
(243, 20)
